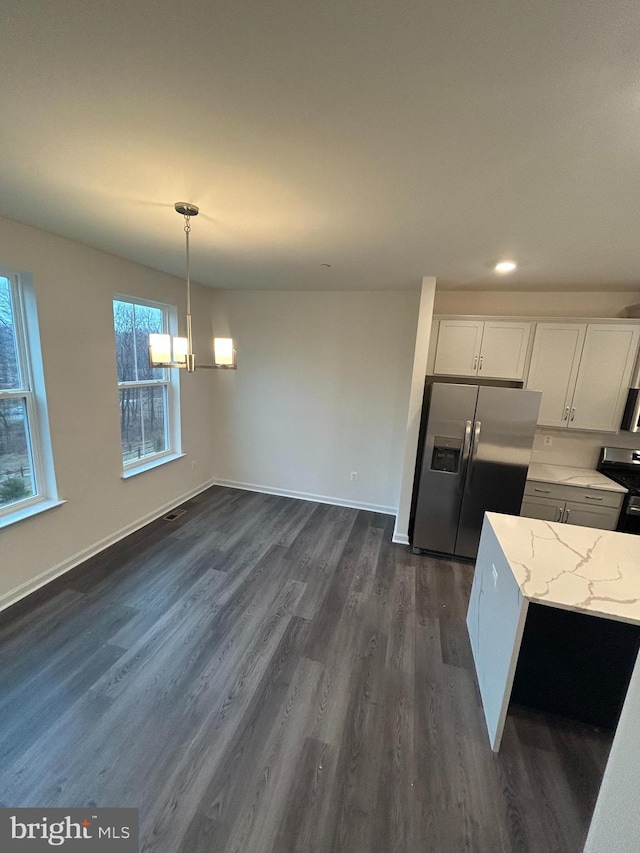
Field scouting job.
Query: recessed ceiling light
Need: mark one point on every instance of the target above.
(505, 266)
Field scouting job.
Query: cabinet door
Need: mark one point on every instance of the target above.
(458, 348)
(606, 518)
(554, 368)
(607, 360)
(504, 349)
(545, 508)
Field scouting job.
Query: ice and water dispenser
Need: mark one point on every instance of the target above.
(447, 453)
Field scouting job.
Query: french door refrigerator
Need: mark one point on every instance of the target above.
(477, 448)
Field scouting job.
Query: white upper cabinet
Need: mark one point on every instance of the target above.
(607, 360)
(491, 349)
(554, 367)
(458, 348)
(583, 371)
(504, 349)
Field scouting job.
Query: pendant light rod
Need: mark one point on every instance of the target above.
(178, 352)
(188, 210)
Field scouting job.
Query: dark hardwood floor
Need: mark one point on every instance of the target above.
(266, 674)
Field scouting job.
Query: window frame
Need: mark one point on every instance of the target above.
(32, 392)
(169, 381)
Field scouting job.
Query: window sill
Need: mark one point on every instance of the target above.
(152, 463)
(28, 512)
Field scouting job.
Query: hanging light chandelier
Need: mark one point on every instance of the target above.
(168, 351)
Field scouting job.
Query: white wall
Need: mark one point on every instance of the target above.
(580, 449)
(615, 825)
(414, 414)
(74, 287)
(322, 389)
(532, 303)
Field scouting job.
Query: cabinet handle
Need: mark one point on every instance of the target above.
(475, 362)
(566, 515)
(544, 491)
(481, 357)
(573, 413)
(566, 414)
(559, 518)
(591, 498)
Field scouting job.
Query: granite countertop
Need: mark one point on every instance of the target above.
(584, 478)
(577, 568)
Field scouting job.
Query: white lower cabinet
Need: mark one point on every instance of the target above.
(572, 505)
(604, 517)
(546, 509)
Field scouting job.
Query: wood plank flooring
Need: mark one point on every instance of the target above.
(266, 674)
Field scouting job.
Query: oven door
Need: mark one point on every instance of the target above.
(629, 521)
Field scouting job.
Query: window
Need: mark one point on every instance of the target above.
(26, 471)
(149, 421)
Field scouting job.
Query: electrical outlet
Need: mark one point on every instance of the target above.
(354, 476)
(193, 464)
(548, 440)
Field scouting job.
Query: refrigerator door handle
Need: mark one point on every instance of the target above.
(466, 447)
(474, 449)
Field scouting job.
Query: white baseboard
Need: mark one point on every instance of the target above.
(25, 589)
(306, 496)
(398, 537)
(32, 585)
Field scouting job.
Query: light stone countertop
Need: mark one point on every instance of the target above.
(583, 569)
(564, 475)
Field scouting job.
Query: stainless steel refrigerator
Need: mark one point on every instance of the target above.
(477, 448)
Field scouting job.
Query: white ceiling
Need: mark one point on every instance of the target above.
(389, 138)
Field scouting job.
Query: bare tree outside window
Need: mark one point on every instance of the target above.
(9, 374)
(17, 478)
(143, 389)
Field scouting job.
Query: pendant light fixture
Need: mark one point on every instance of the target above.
(165, 351)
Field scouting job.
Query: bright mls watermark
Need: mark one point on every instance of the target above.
(82, 830)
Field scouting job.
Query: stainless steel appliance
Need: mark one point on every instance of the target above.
(477, 448)
(623, 466)
(631, 415)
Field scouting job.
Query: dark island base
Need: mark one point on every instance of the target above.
(575, 666)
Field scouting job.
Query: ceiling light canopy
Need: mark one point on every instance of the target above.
(505, 266)
(165, 351)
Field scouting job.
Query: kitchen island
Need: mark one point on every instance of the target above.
(554, 619)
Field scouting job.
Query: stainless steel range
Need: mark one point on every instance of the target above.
(623, 466)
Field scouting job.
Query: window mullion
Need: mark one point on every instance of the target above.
(142, 430)
(33, 443)
(15, 393)
(143, 383)
(135, 345)
(20, 336)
